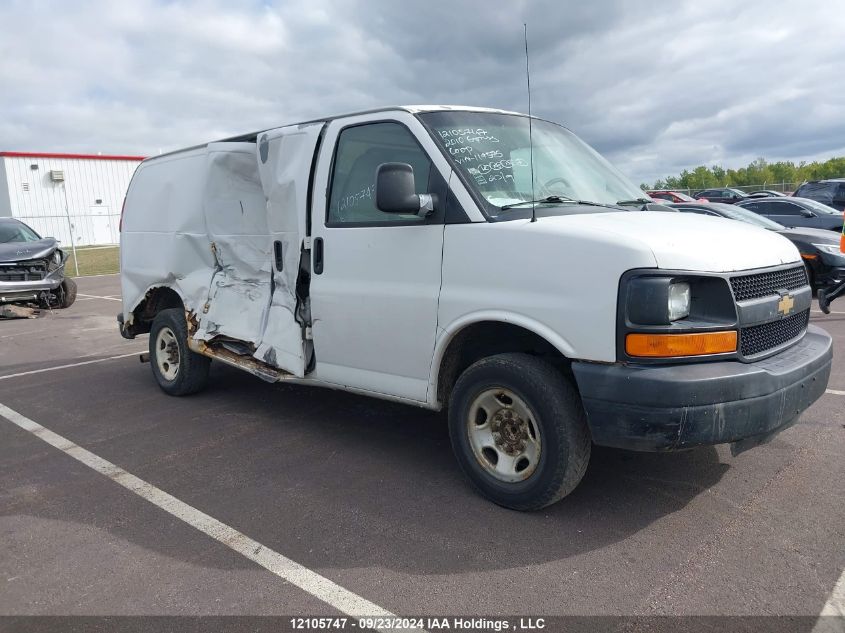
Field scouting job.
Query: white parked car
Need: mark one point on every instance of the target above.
(412, 253)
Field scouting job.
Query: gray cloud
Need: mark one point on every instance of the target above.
(656, 86)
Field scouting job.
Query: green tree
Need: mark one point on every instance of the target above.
(757, 173)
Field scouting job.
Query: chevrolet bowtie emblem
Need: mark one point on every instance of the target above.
(786, 304)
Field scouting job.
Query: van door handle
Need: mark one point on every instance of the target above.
(278, 252)
(318, 255)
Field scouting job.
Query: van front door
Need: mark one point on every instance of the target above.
(376, 276)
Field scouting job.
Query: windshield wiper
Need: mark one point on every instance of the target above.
(556, 200)
(635, 201)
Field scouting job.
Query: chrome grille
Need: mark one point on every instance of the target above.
(757, 339)
(766, 284)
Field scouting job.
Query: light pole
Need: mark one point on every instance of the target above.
(70, 229)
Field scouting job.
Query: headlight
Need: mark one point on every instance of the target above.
(57, 256)
(679, 300)
(675, 314)
(833, 249)
(657, 300)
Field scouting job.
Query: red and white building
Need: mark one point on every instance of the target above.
(75, 198)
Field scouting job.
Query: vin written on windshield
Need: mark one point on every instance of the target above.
(479, 153)
(493, 151)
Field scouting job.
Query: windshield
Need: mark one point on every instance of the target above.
(823, 192)
(743, 215)
(16, 232)
(818, 207)
(493, 153)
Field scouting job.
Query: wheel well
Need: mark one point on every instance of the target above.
(488, 338)
(156, 300)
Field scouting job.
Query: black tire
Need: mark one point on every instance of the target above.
(68, 295)
(191, 369)
(557, 412)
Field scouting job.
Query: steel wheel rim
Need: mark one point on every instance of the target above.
(167, 354)
(504, 435)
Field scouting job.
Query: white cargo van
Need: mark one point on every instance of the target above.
(398, 253)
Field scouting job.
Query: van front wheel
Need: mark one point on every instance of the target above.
(519, 431)
(178, 370)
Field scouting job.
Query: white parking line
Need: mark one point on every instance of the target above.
(820, 312)
(310, 581)
(79, 294)
(84, 362)
(835, 392)
(102, 275)
(832, 618)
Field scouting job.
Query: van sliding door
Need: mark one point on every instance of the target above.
(239, 251)
(285, 156)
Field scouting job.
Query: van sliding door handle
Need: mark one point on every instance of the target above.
(318, 255)
(279, 255)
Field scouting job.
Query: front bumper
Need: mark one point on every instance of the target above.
(673, 407)
(830, 272)
(27, 291)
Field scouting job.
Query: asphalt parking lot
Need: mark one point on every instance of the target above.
(367, 494)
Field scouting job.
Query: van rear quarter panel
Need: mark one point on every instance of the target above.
(164, 241)
(562, 285)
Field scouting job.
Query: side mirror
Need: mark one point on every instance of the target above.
(807, 213)
(396, 191)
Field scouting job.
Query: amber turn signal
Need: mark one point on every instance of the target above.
(670, 345)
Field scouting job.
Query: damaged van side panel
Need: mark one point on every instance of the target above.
(236, 225)
(160, 237)
(212, 215)
(284, 158)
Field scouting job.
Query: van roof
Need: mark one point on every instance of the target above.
(251, 137)
(413, 109)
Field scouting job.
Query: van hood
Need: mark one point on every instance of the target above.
(23, 251)
(682, 241)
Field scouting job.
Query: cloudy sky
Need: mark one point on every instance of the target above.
(655, 86)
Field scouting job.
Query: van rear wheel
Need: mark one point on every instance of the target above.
(178, 370)
(519, 431)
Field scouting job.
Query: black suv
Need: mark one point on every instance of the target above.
(830, 192)
(722, 194)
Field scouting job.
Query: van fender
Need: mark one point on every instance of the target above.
(129, 310)
(446, 335)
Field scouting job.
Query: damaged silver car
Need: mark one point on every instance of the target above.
(32, 268)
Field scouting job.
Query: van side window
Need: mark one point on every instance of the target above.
(360, 150)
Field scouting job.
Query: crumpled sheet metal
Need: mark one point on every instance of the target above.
(236, 223)
(285, 172)
(203, 222)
